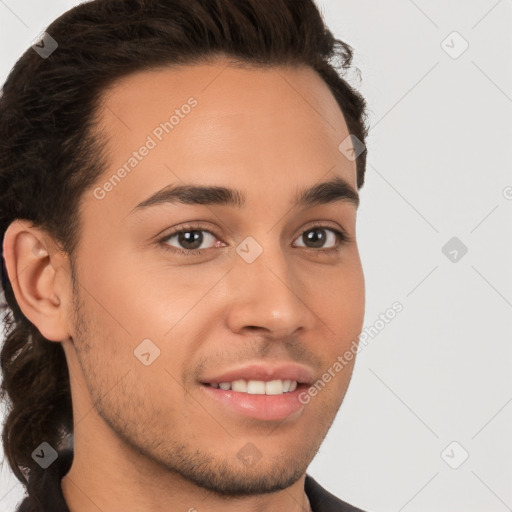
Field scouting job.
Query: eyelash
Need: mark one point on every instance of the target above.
(342, 238)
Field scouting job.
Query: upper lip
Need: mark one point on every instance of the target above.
(265, 372)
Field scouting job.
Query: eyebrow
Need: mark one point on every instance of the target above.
(336, 189)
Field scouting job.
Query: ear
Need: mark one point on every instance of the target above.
(40, 278)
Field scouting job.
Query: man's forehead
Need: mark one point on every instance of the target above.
(221, 89)
(164, 125)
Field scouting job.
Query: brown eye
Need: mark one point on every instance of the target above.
(190, 240)
(320, 236)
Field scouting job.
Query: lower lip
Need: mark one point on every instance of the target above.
(261, 407)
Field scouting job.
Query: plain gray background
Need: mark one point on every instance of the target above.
(433, 386)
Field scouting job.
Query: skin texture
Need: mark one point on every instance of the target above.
(147, 437)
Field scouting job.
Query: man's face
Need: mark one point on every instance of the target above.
(153, 325)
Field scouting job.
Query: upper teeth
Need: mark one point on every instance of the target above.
(259, 387)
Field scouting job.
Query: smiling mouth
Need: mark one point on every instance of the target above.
(255, 402)
(258, 387)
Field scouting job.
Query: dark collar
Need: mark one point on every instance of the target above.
(45, 492)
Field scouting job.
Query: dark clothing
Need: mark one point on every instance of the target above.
(45, 493)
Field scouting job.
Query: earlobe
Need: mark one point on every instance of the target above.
(32, 261)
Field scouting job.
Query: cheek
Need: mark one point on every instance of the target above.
(136, 296)
(340, 304)
(340, 300)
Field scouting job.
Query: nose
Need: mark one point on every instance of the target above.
(268, 295)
